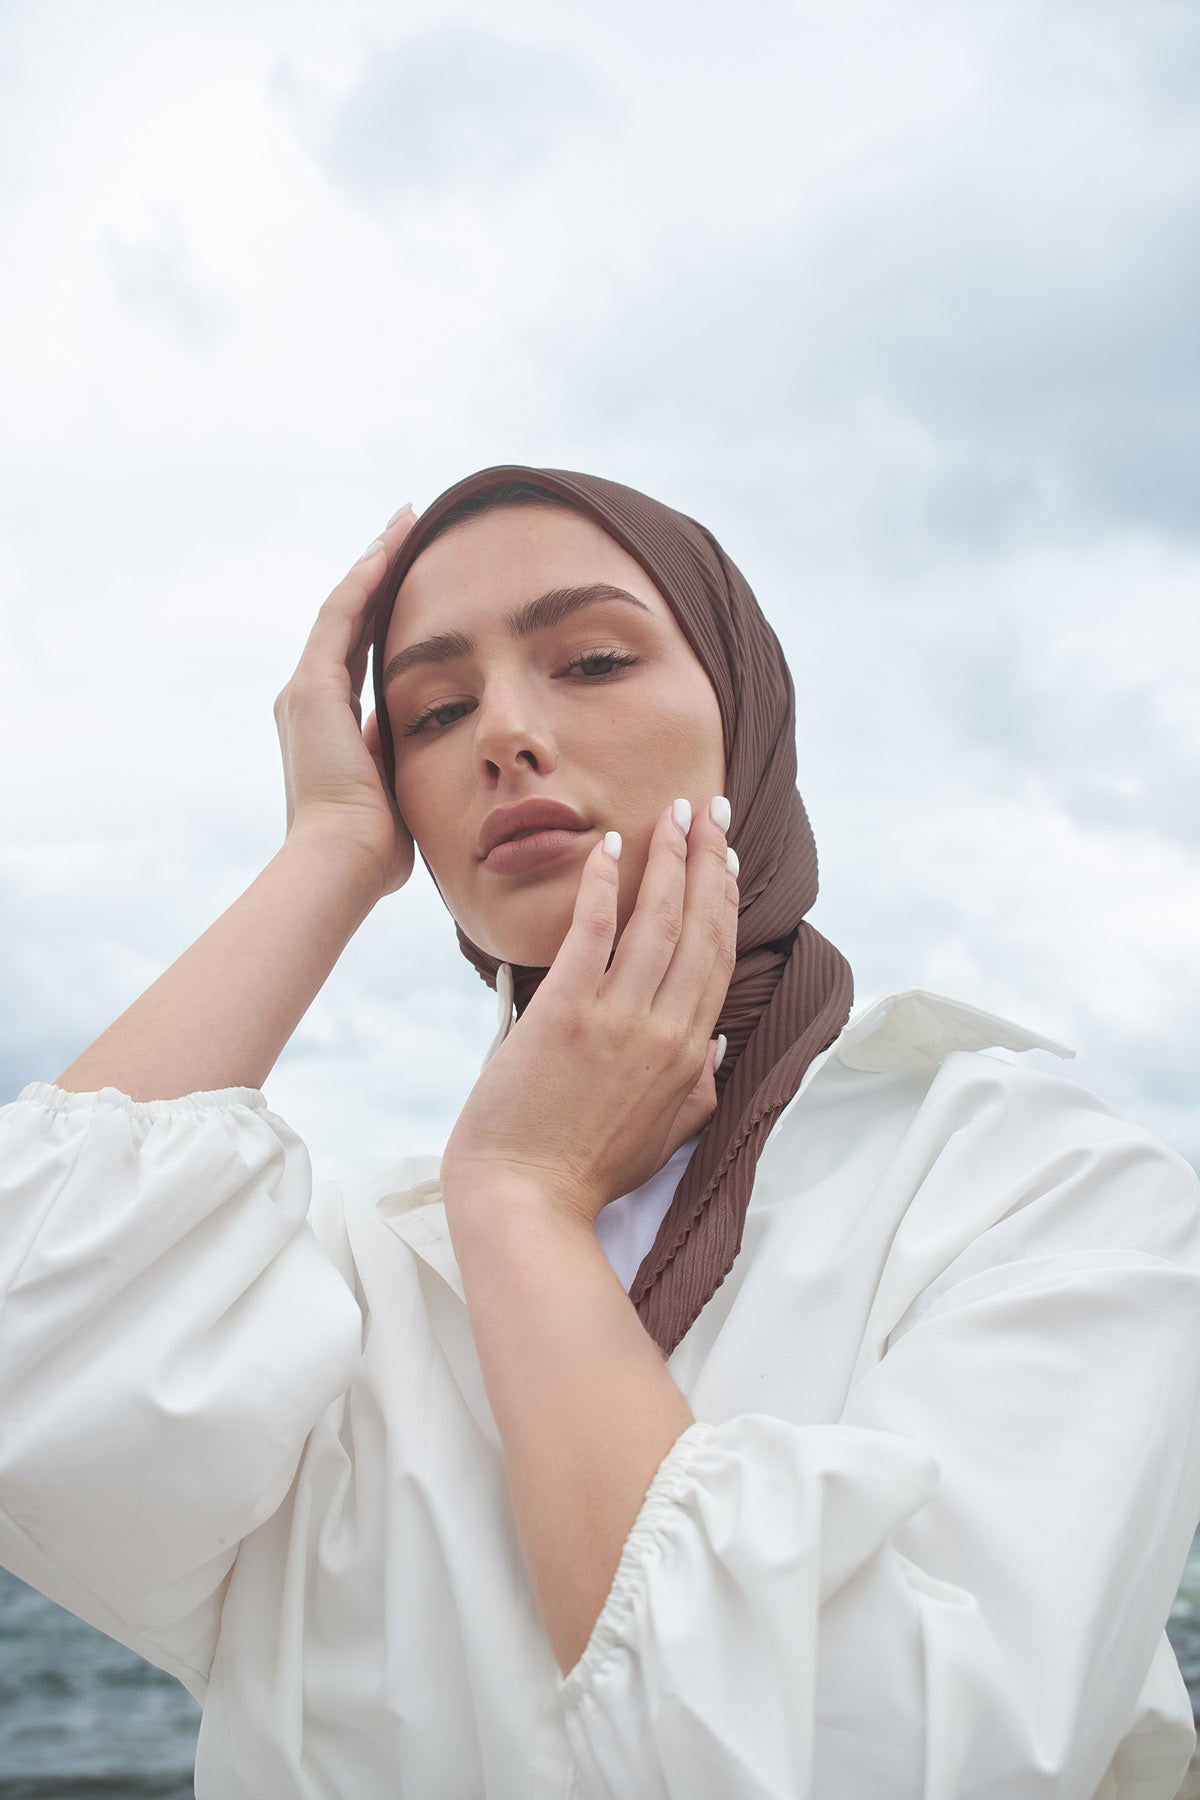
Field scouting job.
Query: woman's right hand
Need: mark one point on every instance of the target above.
(332, 771)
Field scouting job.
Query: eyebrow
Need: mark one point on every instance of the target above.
(536, 615)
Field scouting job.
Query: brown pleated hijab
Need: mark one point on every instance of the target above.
(791, 990)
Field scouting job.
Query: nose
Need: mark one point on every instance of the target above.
(512, 731)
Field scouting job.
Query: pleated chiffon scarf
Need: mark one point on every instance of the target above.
(791, 990)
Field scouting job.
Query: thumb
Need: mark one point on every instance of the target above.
(370, 733)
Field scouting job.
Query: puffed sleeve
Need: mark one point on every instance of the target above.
(958, 1589)
(170, 1332)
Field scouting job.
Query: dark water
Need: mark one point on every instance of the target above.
(1184, 1626)
(83, 1719)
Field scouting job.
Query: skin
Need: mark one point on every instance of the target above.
(618, 744)
(610, 1066)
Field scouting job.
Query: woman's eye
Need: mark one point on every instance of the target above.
(434, 716)
(595, 666)
(614, 659)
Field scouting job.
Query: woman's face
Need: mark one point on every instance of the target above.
(602, 707)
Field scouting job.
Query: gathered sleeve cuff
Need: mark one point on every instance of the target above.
(170, 1332)
(958, 1589)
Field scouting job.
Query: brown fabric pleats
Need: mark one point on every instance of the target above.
(791, 990)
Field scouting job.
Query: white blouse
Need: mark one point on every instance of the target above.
(921, 1541)
(626, 1228)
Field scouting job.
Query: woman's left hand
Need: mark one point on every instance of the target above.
(609, 1069)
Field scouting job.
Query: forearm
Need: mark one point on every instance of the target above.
(584, 1404)
(221, 1014)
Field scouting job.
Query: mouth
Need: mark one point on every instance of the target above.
(527, 819)
(531, 849)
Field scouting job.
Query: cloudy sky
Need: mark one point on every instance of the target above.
(898, 297)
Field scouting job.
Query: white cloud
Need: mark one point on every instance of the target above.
(897, 299)
(449, 107)
(151, 277)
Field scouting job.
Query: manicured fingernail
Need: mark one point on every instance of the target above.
(720, 811)
(612, 843)
(731, 860)
(400, 512)
(371, 549)
(681, 812)
(722, 1046)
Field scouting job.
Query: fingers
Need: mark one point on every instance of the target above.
(649, 939)
(583, 957)
(677, 952)
(697, 1107)
(343, 627)
(370, 569)
(373, 564)
(712, 997)
(698, 978)
(679, 947)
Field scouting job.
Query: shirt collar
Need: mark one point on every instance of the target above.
(912, 1028)
(918, 1029)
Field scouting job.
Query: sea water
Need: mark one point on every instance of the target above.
(82, 1718)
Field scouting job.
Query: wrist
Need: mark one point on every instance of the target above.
(484, 1202)
(335, 858)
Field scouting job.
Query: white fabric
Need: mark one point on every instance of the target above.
(626, 1228)
(921, 1541)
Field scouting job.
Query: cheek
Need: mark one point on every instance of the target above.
(434, 810)
(688, 737)
(421, 775)
(417, 799)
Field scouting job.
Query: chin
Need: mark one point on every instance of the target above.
(537, 952)
(529, 943)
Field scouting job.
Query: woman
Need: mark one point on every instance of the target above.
(753, 1400)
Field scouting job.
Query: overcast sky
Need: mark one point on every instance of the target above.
(899, 299)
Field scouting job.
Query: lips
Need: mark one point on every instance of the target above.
(528, 815)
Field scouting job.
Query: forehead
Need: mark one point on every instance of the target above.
(487, 566)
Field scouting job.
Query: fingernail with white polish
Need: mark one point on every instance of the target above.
(720, 810)
(681, 812)
(722, 1046)
(731, 860)
(612, 843)
(371, 549)
(400, 512)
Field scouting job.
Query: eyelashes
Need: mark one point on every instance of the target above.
(431, 721)
(432, 716)
(617, 659)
